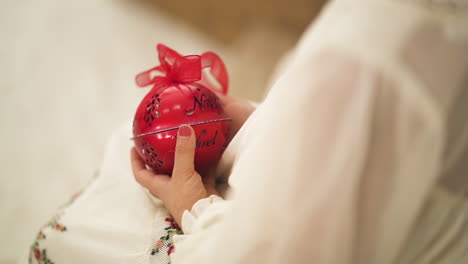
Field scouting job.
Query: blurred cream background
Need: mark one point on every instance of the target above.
(67, 71)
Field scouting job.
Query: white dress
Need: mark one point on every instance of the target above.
(113, 220)
(357, 155)
(359, 152)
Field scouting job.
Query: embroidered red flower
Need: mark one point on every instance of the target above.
(170, 250)
(37, 254)
(172, 222)
(166, 239)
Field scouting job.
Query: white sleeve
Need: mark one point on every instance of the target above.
(336, 150)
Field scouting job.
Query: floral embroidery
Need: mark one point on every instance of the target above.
(41, 256)
(166, 240)
(38, 254)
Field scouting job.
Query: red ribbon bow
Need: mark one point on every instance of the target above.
(184, 69)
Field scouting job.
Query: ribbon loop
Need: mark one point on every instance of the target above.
(184, 69)
(217, 69)
(187, 69)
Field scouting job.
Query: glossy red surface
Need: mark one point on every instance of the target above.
(164, 109)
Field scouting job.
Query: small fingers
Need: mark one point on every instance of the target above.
(155, 183)
(142, 175)
(239, 112)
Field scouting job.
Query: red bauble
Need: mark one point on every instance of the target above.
(178, 98)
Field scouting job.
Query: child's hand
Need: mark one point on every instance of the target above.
(185, 187)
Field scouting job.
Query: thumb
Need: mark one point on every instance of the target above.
(184, 153)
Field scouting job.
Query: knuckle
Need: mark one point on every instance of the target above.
(184, 172)
(188, 172)
(155, 194)
(183, 146)
(138, 179)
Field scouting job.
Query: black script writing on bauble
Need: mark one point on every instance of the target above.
(204, 102)
(203, 141)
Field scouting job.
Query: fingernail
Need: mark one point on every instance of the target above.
(185, 131)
